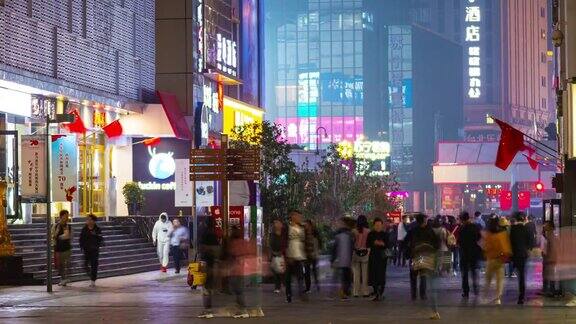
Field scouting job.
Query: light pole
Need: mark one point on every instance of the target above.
(60, 118)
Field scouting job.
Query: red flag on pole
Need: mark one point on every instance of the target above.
(77, 126)
(154, 141)
(114, 129)
(511, 142)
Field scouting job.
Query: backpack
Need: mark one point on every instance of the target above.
(451, 239)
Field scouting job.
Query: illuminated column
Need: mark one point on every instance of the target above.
(6, 246)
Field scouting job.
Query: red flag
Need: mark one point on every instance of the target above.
(511, 142)
(77, 126)
(505, 200)
(523, 200)
(154, 141)
(114, 129)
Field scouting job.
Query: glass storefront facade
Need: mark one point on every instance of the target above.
(314, 69)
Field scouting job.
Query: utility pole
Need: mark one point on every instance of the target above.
(48, 210)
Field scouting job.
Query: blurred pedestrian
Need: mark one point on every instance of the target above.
(277, 250)
(312, 246)
(295, 254)
(444, 254)
(378, 241)
(62, 237)
(236, 252)
(360, 258)
(402, 232)
(210, 251)
(478, 220)
(497, 250)
(179, 242)
(550, 287)
(522, 240)
(161, 240)
(342, 256)
(91, 240)
(470, 253)
(453, 227)
(424, 246)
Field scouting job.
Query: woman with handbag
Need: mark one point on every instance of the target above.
(378, 244)
(497, 251)
(423, 245)
(360, 258)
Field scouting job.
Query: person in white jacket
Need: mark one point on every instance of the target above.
(161, 240)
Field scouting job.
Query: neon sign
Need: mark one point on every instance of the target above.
(226, 55)
(472, 19)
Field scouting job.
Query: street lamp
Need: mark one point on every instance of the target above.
(318, 138)
(60, 118)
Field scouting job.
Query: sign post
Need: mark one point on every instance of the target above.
(223, 165)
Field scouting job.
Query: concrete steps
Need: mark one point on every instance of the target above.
(124, 252)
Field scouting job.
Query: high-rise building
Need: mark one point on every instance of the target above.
(209, 56)
(507, 66)
(375, 70)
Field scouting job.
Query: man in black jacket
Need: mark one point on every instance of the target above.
(522, 241)
(470, 253)
(90, 241)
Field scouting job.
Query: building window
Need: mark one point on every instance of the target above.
(542, 57)
(542, 12)
(543, 79)
(543, 103)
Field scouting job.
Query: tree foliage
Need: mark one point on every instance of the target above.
(332, 189)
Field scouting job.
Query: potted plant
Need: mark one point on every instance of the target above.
(133, 197)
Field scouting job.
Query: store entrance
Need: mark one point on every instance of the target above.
(92, 184)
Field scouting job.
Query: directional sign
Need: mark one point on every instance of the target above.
(206, 176)
(206, 168)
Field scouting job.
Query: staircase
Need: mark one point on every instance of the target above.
(124, 251)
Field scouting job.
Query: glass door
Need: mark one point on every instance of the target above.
(92, 175)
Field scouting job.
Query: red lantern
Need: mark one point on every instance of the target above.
(505, 200)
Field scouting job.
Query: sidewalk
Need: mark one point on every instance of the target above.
(165, 298)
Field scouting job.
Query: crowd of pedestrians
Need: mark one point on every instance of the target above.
(430, 247)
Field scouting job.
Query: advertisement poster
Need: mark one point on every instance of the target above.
(235, 218)
(183, 194)
(33, 168)
(204, 193)
(64, 167)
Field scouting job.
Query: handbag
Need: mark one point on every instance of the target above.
(278, 264)
(424, 262)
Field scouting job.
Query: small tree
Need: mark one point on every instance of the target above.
(278, 173)
(133, 197)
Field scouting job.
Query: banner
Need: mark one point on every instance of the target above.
(33, 184)
(183, 193)
(64, 157)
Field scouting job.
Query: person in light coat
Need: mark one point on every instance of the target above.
(161, 240)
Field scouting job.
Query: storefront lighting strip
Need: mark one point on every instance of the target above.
(240, 106)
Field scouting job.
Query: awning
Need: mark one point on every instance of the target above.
(158, 120)
(171, 107)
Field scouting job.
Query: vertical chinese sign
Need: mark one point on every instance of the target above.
(33, 168)
(64, 167)
(472, 21)
(183, 194)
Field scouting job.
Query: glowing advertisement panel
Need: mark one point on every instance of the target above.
(338, 129)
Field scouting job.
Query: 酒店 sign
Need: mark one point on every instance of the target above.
(472, 21)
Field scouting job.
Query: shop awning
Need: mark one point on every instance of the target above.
(158, 120)
(172, 110)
